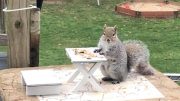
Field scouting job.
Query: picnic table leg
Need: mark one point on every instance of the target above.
(95, 84)
(81, 83)
(93, 80)
(74, 75)
(93, 69)
(80, 68)
(88, 77)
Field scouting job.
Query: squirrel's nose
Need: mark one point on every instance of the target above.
(108, 40)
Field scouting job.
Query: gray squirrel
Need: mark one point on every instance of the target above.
(122, 56)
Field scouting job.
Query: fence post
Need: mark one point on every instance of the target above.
(34, 37)
(2, 17)
(17, 24)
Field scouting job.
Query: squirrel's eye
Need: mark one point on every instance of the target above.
(103, 33)
(114, 33)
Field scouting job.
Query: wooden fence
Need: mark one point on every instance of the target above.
(2, 29)
(23, 29)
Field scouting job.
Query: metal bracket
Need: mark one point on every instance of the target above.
(173, 76)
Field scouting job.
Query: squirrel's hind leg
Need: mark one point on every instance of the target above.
(107, 79)
(105, 72)
(117, 77)
(113, 81)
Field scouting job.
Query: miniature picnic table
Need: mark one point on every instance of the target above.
(80, 57)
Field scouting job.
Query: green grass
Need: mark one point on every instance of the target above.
(3, 48)
(79, 23)
(178, 83)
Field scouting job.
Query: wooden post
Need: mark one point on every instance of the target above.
(34, 34)
(3, 36)
(18, 31)
(3, 39)
(2, 16)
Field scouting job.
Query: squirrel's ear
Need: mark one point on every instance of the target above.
(105, 26)
(115, 27)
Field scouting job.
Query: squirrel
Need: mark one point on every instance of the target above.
(115, 69)
(122, 56)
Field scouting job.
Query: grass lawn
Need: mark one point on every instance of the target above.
(178, 83)
(79, 23)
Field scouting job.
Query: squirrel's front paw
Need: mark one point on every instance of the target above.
(97, 50)
(101, 53)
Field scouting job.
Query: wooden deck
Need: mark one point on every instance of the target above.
(12, 90)
(135, 87)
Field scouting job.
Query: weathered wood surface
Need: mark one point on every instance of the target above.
(3, 39)
(166, 86)
(2, 3)
(10, 84)
(34, 37)
(12, 90)
(18, 30)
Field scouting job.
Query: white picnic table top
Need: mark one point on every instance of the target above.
(77, 55)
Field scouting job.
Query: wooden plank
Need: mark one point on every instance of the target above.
(34, 37)
(18, 31)
(2, 29)
(3, 39)
(1, 16)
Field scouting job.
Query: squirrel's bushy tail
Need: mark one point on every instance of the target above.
(138, 57)
(144, 69)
